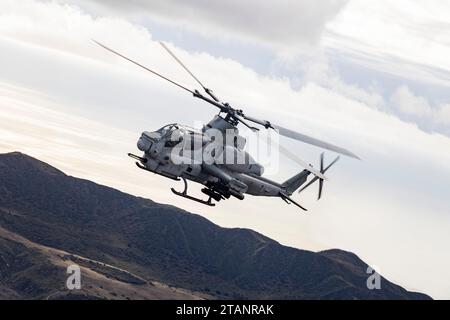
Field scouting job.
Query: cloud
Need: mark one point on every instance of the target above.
(338, 19)
(80, 108)
(443, 115)
(406, 38)
(409, 104)
(282, 24)
(418, 109)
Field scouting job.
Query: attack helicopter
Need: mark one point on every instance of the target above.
(215, 156)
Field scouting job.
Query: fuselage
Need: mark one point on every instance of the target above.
(178, 151)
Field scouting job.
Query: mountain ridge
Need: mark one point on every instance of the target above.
(164, 244)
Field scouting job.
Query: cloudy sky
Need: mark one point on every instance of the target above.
(372, 76)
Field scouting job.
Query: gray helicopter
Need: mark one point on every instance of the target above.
(215, 157)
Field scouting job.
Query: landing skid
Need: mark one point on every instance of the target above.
(185, 195)
(140, 166)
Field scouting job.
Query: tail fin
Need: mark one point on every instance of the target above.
(295, 182)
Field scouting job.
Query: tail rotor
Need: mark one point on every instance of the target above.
(322, 171)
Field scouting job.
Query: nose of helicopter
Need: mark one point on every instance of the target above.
(146, 140)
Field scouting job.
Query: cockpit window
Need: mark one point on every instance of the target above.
(173, 143)
(166, 130)
(173, 136)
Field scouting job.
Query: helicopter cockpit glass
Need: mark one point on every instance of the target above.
(174, 140)
(173, 135)
(166, 130)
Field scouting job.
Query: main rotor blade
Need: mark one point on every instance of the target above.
(254, 129)
(208, 91)
(144, 67)
(263, 123)
(315, 142)
(302, 163)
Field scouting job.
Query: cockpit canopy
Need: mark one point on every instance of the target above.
(174, 133)
(167, 130)
(170, 128)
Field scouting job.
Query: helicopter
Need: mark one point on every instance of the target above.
(215, 155)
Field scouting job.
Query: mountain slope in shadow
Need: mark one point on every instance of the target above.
(157, 243)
